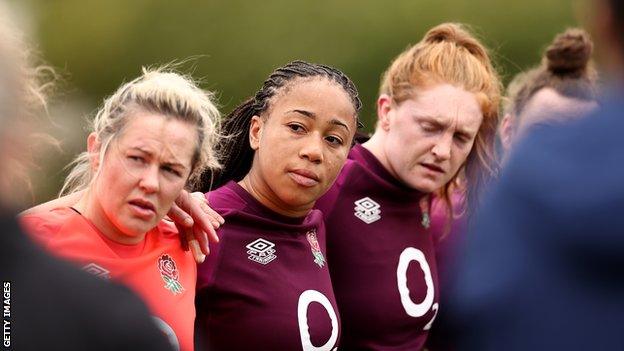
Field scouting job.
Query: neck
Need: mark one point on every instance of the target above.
(260, 190)
(376, 147)
(90, 208)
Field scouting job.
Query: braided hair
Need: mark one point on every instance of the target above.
(234, 148)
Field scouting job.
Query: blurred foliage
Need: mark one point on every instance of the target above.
(98, 44)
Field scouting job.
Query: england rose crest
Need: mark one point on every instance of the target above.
(319, 259)
(170, 274)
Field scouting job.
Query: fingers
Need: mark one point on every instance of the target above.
(197, 222)
(197, 252)
(180, 215)
(194, 245)
(200, 211)
(200, 240)
(214, 217)
(183, 236)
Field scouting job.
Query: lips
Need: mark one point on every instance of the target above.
(142, 208)
(304, 177)
(432, 167)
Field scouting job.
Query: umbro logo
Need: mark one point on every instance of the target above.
(367, 210)
(261, 251)
(96, 270)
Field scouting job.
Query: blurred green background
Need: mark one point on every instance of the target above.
(96, 45)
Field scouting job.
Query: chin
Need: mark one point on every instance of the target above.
(136, 229)
(424, 187)
(297, 201)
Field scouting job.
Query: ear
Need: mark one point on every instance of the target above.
(384, 106)
(93, 148)
(255, 132)
(506, 131)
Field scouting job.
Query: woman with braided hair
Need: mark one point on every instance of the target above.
(266, 284)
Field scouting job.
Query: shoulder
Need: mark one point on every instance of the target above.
(326, 202)
(568, 162)
(168, 240)
(564, 180)
(53, 217)
(47, 223)
(166, 228)
(224, 199)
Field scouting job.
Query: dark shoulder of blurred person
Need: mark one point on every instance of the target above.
(543, 269)
(50, 305)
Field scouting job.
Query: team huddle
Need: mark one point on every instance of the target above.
(315, 235)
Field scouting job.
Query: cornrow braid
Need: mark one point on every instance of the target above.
(236, 153)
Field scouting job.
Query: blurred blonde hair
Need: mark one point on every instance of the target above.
(160, 91)
(24, 86)
(450, 54)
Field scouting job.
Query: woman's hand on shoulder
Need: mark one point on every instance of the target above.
(196, 222)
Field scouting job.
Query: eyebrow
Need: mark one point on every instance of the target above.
(168, 164)
(438, 122)
(313, 116)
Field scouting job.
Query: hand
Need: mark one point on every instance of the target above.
(196, 222)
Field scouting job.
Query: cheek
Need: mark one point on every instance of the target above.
(111, 189)
(274, 147)
(169, 192)
(335, 161)
(460, 156)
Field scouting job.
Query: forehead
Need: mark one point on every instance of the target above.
(548, 105)
(157, 134)
(447, 104)
(321, 96)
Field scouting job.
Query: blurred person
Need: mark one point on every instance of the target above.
(564, 85)
(48, 304)
(150, 139)
(266, 285)
(437, 117)
(542, 268)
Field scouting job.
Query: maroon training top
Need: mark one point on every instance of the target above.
(266, 285)
(381, 258)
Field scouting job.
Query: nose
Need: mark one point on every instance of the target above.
(312, 150)
(148, 180)
(442, 148)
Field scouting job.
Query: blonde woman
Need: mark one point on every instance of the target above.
(152, 137)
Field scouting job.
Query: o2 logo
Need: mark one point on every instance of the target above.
(411, 308)
(305, 299)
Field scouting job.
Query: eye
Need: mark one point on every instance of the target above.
(334, 140)
(461, 139)
(172, 171)
(428, 126)
(136, 159)
(296, 127)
